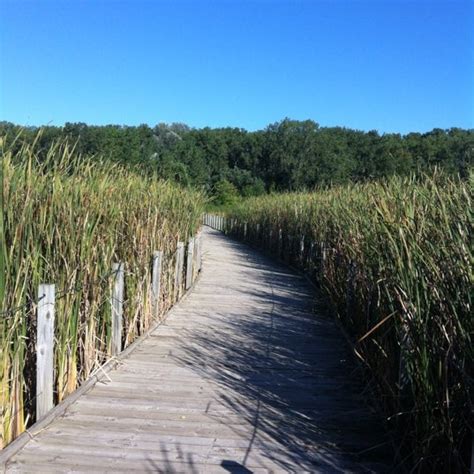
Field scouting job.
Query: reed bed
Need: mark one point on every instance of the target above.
(395, 260)
(65, 220)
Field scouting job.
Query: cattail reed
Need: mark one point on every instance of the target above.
(65, 220)
(395, 260)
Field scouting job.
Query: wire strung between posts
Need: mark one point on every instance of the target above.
(69, 291)
(8, 314)
(11, 312)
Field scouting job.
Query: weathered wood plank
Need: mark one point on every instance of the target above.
(178, 278)
(45, 350)
(190, 264)
(156, 282)
(117, 308)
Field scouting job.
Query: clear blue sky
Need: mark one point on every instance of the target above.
(386, 65)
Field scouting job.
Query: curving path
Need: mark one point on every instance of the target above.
(242, 377)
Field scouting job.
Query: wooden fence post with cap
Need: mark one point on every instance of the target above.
(178, 277)
(156, 282)
(199, 252)
(117, 308)
(45, 350)
(280, 242)
(301, 251)
(189, 264)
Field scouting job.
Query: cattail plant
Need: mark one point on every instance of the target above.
(395, 260)
(65, 220)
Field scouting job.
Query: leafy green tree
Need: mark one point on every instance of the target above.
(225, 193)
(286, 155)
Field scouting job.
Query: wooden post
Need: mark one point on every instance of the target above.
(302, 250)
(178, 280)
(289, 251)
(280, 242)
(323, 259)
(311, 257)
(45, 350)
(199, 252)
(117, 308)
(156, 282)
(189, 263)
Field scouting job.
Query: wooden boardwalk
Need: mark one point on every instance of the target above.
(242, 377)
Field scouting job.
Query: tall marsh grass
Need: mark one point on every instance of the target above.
(65, 220)
(395, 260)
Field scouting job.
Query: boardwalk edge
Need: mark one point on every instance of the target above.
(99, 375)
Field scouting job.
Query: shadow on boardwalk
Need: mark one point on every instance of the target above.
(285, 371)
(244, 376)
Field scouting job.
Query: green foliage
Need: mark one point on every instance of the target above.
(224, 194)
(287, 155)
(397, 268)
(66, 219)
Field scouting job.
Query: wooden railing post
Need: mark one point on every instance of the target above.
(117, 308)
(280, 242)
(311, 258)
(323, 259)
(198, 252)
(156, 282)
(301, 256)
(45, 350)
(178, 279)
(289, 251)
(189, 264)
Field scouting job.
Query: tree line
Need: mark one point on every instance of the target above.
(285, 156)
